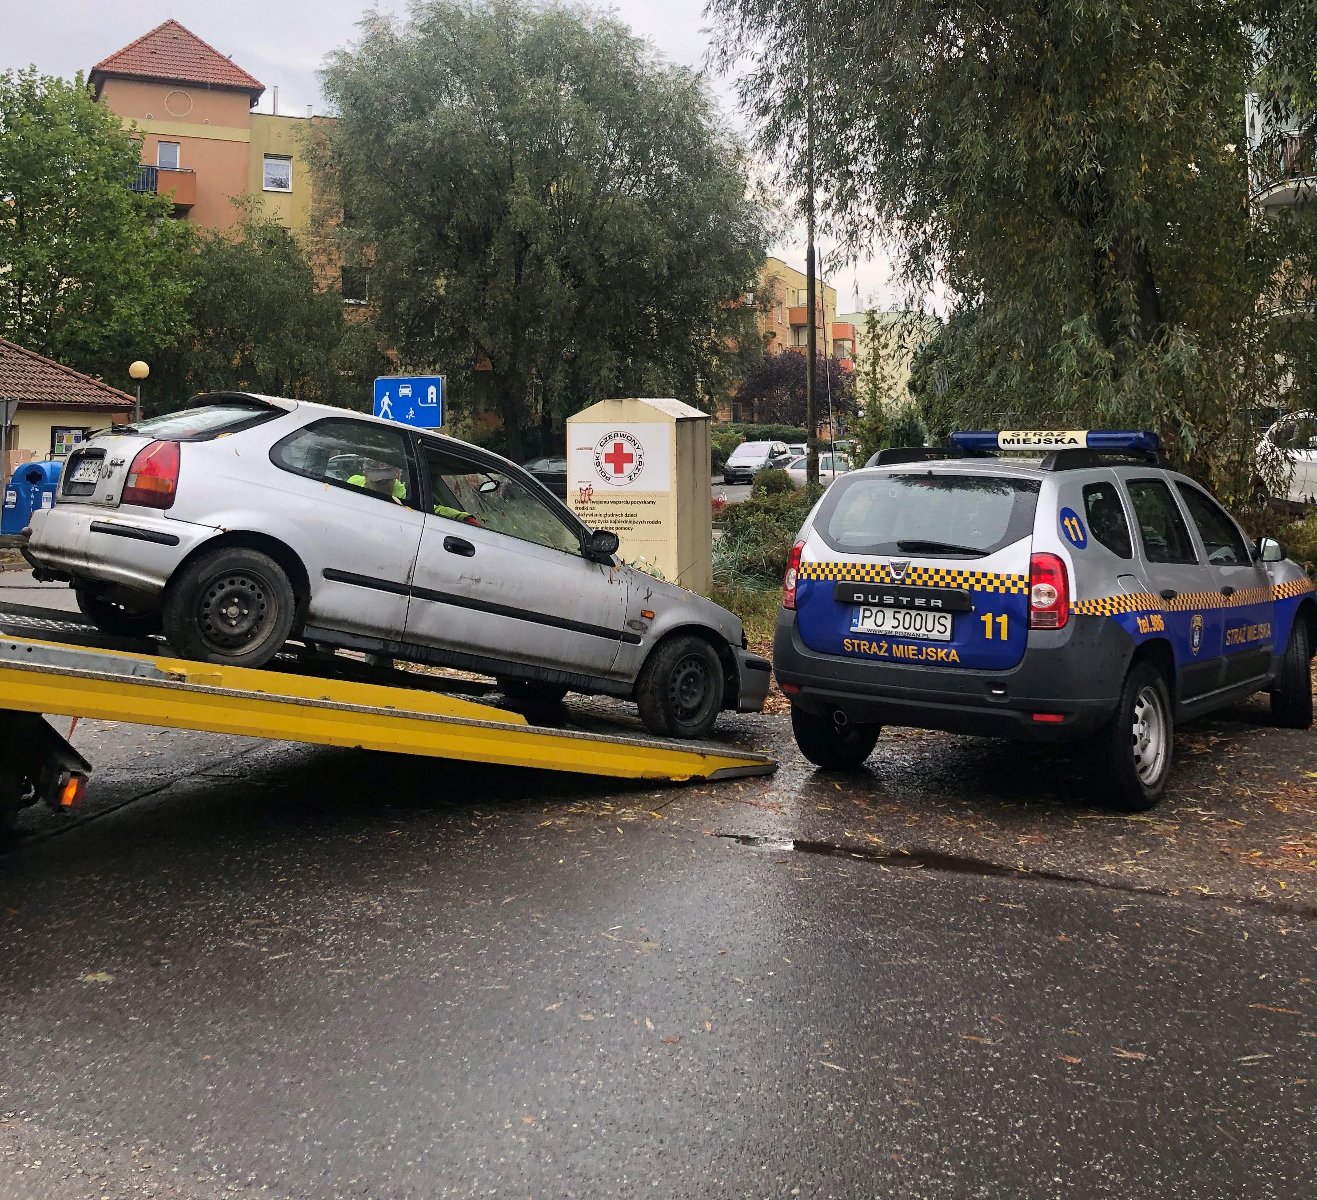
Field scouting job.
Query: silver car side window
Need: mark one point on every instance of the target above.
(353, 454)
(497, 501)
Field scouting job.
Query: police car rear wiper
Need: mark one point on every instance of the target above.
(922, 546)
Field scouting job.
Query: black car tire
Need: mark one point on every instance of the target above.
(1291, 698)
(529, 691)
(830, 746)
(116, 619)
(233, 606)
(1135, 749)
(680, 689)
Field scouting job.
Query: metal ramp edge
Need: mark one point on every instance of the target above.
(47, 677)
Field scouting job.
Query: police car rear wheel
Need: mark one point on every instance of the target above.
(1137, 745)
(234, 606)
(680, 689)
(1291, 699)
(833, 746)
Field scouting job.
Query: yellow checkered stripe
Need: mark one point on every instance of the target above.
(1112, 606)
(932, 577)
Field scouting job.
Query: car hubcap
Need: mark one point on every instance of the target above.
(688, 688)
(236, 611)
(1149, 733)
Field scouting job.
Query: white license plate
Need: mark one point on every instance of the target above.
(87, 471)
(902, 622)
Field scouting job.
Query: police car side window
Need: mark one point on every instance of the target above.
(1225, 547)
(1163, 531)
(1106, 519)
(351, 454)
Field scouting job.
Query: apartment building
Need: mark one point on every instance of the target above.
(882, 356)
(785, 323)
(203, 145)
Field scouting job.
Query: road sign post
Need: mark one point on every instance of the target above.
(415, 400)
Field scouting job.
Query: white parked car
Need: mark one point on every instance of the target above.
(830, 466)
(248, 520)
(1291, 446)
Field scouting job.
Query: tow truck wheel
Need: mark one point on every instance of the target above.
(1291, 699)
(116, 619)
(11, 804)
(233, 606)
(1135, 749)
(830, 745)
(680, 689)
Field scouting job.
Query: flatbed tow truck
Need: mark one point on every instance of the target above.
(54, 664)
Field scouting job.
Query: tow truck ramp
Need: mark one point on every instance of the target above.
(39, 676)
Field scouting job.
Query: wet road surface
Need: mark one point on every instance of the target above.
(266, 970)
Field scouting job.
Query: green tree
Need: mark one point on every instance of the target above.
(550, 213)
(773, 389)
(259, 322)
(89, 269)
(1078, 174)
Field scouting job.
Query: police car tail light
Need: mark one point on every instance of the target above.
(1049, 592)
(153, 477)
(793, 573)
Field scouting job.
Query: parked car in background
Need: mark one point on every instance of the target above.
(796, 449)
(1291, 446)
(245, 521)
(550, 471)
(749, 458)
(830, 466)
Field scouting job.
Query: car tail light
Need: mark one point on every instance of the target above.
(1049, 592)
(153, 477)
(793, 573)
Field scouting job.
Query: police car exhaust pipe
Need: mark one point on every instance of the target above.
(840, 719)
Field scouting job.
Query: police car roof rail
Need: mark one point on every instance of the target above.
(1079, 459)
(895, 455)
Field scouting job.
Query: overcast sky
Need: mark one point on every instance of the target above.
(284, 43)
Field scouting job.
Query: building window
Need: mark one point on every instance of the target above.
(355, 285)
(65, 439)
(278, 173)
(166, 155)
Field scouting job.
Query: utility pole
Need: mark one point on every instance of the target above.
(811, 283)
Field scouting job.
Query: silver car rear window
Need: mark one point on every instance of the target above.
(206, 421)
(966, 515)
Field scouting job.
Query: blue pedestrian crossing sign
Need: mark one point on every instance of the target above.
(415, 400)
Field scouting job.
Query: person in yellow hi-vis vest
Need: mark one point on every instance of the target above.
(386, 480)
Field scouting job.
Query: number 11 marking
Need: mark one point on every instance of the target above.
(1002, 628)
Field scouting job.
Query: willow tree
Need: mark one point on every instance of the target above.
(551, 214)
(1077, 174)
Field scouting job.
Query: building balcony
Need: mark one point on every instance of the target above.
(1291, 177)
(796, 315)
(843, 331)
(179, 185)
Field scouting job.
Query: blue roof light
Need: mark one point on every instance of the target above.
(1043, 440)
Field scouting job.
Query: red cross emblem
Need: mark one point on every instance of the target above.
(619, 458)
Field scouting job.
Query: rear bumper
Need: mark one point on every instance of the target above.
(1075, 673)
(138, 552)
(755, 676)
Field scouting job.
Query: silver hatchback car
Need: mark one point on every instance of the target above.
(247, 520)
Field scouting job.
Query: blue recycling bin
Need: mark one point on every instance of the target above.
(31, 488)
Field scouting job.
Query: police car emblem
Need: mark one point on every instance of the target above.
(1196, 633)
(619, 458)
(898, 567)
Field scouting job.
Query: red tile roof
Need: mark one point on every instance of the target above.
(172, 54)
(33, 379)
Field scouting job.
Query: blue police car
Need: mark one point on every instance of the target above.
(1049, 586)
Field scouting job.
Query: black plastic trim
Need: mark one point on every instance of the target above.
(366, 581)
(135, 533)
(521, 614)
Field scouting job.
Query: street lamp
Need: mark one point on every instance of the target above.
(139, 371)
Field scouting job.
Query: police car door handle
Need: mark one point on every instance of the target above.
(1227, 590)
(457, 545)
(1169, 593)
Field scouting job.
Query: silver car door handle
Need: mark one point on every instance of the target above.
(457, 545)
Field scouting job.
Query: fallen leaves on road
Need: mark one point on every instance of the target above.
(96, 977)
(1136, 1055)
(1289, 1012)
(1070, 1058)
(834, 1066)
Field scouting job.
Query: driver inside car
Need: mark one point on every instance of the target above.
(386, 480)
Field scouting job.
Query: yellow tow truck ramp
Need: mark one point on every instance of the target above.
(50, 677)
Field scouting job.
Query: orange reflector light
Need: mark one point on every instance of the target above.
(70, 795)
(647, 614)
(1049, 718)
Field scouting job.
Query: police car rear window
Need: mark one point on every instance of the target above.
(936, 516)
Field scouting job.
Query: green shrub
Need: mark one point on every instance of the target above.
(765, 433)
(757, 538)
(1300, 542)
(772, 483)
(721, 445)
(907, 428)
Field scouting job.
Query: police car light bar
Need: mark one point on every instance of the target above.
(1114, 441)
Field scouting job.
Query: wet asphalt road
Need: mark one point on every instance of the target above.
(257, 969)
